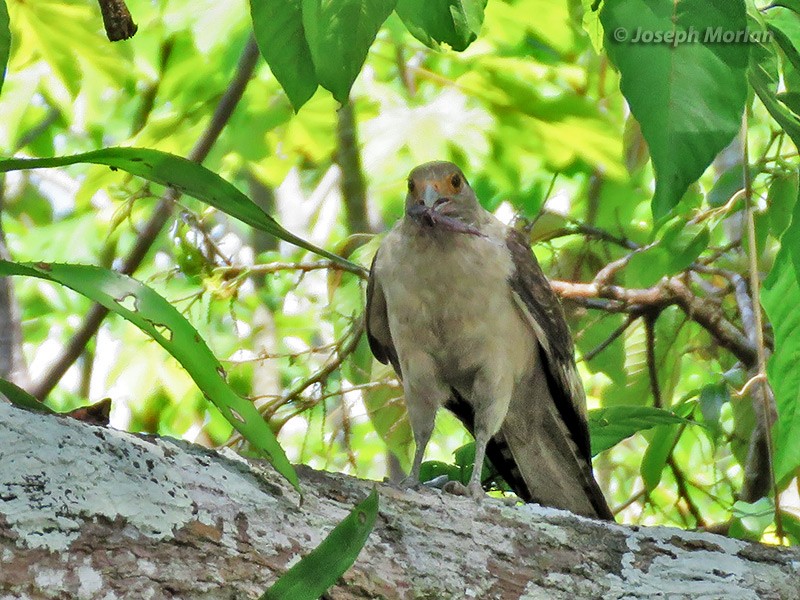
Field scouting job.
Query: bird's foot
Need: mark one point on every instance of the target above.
(473, 490)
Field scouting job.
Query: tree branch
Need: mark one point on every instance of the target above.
(213, 525)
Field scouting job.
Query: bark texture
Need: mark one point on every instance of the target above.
(88, 512)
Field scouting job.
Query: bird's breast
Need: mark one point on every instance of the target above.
(450, 299)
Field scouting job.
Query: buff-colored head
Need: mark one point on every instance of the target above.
(441, 187)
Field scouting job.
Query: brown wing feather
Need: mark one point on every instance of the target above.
(377, 323)
(532, 288)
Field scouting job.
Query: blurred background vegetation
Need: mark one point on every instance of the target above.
(531, 110)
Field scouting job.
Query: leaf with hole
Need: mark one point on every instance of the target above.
(310, 578)
(151, 313)
(183, 175)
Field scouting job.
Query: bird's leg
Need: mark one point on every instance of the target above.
(422, 435)
(491, 397)
(424, 394)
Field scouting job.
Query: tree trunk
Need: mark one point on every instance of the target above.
(90, 512)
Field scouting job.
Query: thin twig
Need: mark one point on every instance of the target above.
(345, 348)
(610, 339)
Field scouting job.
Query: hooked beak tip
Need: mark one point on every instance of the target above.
(429, 196)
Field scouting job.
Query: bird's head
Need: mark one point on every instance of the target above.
(438, 192)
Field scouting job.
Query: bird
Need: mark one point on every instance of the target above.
(458, 304)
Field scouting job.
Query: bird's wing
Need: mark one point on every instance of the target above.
(377, 322)
(541, 308)
(546, 429)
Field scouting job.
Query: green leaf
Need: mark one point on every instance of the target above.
(185, 176)
(688, 97)
(609, 426)
(5, 41)
(791, 100)
(452, 22)
(657, 453)
(754, 517)
(339, 34)
(712, 398)
(160, 320)
(319, 569)
(780, 298)
(19, 397)
(781, 199)
(278, 27)
(726, 185)
(764, 88)
(790, 4)
(785, 44)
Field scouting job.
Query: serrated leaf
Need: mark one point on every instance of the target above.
(310, 578)
(151, 313)
(452, 22)
(185, 176)
(5, 41)
(609, 426)
(278, 27)
(658, 78)
(339, 34)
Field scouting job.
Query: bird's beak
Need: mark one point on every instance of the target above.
(429, 195)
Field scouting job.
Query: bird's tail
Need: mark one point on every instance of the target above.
(536, 456)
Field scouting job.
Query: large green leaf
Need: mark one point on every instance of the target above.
(452, 22)
(5, 41)
(339, 34)
(780, 298)
(609, 426)
(316, 572)
(160, 320)
(278, 27)
(688, 97)
(185, 176)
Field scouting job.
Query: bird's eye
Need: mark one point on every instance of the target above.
(455, 180)
(410, 185)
